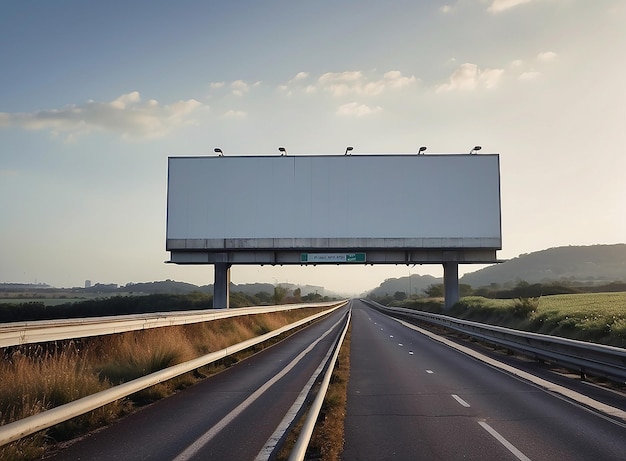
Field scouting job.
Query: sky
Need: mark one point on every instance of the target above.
(95, 96)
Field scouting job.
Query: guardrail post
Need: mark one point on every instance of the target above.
(221, 287)
(450, 284)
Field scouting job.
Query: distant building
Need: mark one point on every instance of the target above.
(87, 283)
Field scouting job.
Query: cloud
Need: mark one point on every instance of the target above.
(547, 56)
(354, 109)
(126, 115)
(490, 77)
(239, 87)
(468, 77)
(497, 6)
(348, 83)
(235, 114)
(445, 9)
(530, 75)
(216, 85)
(300, 76)
(394, 79)
(340, 84)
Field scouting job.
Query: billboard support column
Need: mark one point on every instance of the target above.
(221, 287)
(450, 284)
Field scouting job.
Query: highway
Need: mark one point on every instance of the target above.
(229, 416)
(413, 398)
(410, 397)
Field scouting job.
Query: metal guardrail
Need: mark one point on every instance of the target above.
(18, 429)
(298, 451)
(585, 357)
(16, 333)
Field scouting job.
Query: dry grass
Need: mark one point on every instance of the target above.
(39, 377)
(328, 436)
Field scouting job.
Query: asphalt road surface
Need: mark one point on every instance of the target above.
(413, 398)
(409, 398)
(229, 416)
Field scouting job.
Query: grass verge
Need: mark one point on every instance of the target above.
(39, 377)
(593, 317)
(328, 436)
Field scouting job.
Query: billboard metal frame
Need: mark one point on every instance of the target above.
(387, 209)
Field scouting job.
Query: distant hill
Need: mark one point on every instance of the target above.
(593, 264)
(163, 286)
(411, 286)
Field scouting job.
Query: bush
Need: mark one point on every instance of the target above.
(525, 307)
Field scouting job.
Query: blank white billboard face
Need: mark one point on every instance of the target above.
(435, 198)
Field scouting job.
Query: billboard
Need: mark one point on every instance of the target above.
(218, 204)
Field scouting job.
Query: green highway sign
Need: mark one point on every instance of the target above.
(332, 258)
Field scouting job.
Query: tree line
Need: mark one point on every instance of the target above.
(121, 305)
(522, 289)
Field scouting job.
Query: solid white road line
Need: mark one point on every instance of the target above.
(557, 390)
(460, 400)
(518, 454)
(285, 424)
(195, 447)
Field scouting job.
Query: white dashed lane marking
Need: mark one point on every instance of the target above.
(518, 454)
(460, 400)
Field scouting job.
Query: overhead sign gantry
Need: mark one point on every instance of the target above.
(346, 209)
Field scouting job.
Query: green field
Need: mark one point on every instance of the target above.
(586, 304)
(594, 317)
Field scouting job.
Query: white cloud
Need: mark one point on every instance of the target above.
(530, 75)
(490, 77)
(216, 85)
(300, 76)
(125, 115)
(445, 9)
(239, 87)
(497, 6)
(354, 109)
(341, 83)
(468, 77)
(395, 79)
(235, 114)
(354, 82)
(546, 56)
(125, 100)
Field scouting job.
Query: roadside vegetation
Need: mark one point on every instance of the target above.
(25, 309)
(38, 377)
(328, 436)
(594, 317)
